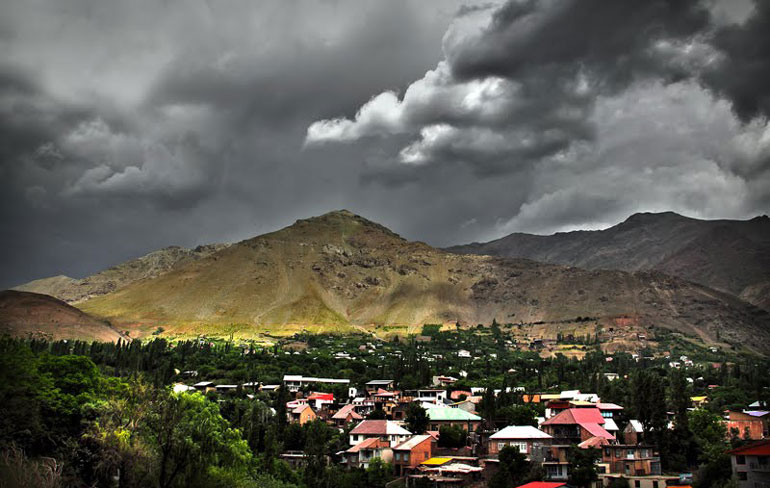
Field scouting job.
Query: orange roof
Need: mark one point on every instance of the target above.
(543, 484)
(761, 448)
(371, 443)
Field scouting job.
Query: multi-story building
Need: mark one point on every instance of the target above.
(751, 465)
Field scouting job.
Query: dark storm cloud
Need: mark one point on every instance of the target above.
(132, 127)
(743, 74)
(588, 110)
(129, 126)
(614, 41)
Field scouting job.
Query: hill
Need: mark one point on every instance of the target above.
(728, 255)
(25, 314)
(342, 272)
(151, 265)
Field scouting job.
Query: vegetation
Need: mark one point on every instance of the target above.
(80, 414)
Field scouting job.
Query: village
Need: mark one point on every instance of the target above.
(444, 435)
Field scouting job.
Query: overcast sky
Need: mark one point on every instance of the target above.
(130, 126)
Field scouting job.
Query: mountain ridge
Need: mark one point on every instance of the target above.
(342, 272)
(730, 255)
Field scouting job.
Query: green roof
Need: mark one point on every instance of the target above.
(449, 413)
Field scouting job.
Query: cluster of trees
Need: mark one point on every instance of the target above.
(103, 412)
(63, 422)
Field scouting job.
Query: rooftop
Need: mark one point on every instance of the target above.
(379, 427)
(450, 413)
(520, 432)
(413, 441)
(760, 448)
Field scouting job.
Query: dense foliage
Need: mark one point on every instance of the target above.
(104, 413)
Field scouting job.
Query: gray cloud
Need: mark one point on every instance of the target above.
(743, 73)
(128, 126)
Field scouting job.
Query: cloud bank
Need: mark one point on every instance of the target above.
(129, 126)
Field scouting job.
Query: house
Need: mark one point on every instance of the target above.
(443, 416)
(523, 437)
(750, 424)
(386, 400)
(302, 414)
(318, 399)
(648, 481)
(469, 404)
(409, 454)
(294, 382)
(608, 410)
(462, 353)
(374, 386)
(635, 460)
(633, 432)
(181, 387)
(204, 386)
(361, 454)
(444, 380)
(458, 395)
(699, 401)
(751, 464)
(226, 388)
(378, 429)
(554, 459)
(428, 395)
(447, 471)
(533, 398)
(346, 415)
(611, 376)
(575, 425)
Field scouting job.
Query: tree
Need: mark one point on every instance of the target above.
(416, 419)
(618, 483)
(377, 414)
(650, 404)
(582, 466)
(710, 438)
(452, 436)
(379, 473)
(679, 450)
(513, 468)
(518, 415)
(188, 435)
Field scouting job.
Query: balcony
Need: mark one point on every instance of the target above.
(761, 467)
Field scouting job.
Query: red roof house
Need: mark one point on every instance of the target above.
(345, 415)
(576, 425)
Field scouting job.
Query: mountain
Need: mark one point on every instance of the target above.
(729, 255)
(25, 314)
(342, 272)
(154, 264)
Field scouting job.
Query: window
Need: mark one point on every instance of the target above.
(740, 459)
(637, 484)
(654, 484)
(406, 456)
(743, 476)
(398, 456)
(501, 445)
